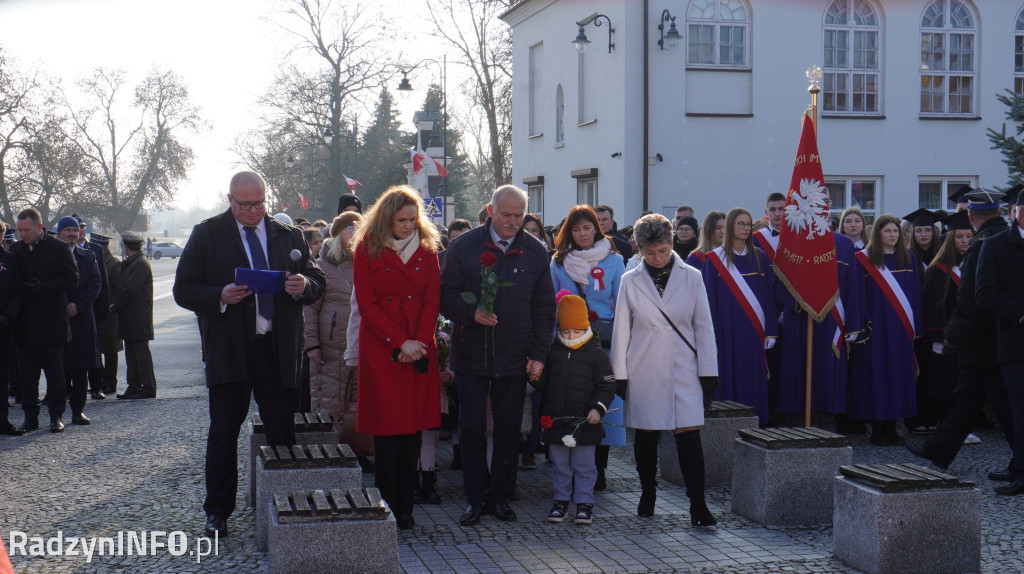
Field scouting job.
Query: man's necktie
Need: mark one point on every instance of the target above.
(775, 233)
(504, 244)
(259, 261)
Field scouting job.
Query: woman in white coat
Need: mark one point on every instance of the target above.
(667, 379)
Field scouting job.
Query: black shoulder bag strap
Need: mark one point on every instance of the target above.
(680, 333)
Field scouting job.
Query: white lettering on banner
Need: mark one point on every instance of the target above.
(136, 543)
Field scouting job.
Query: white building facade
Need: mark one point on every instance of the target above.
(909, 92)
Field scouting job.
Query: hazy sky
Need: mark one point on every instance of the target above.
(224, 49)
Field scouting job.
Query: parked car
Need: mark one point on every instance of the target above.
(166, 249)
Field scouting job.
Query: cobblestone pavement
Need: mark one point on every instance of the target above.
(139, 466)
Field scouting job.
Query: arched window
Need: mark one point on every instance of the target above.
(852, 47)
(948, 59)
(718, 34)
(559, 115)
(1018, 55)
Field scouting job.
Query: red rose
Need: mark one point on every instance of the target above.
(592, 316)
(487, 259)
(546, 422)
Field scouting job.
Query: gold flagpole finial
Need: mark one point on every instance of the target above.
(814, 75)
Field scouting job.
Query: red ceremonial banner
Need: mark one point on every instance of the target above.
(805, 260)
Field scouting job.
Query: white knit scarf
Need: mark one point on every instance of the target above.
(406, 247)
(579, 262)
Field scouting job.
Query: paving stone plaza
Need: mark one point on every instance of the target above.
(139, 467)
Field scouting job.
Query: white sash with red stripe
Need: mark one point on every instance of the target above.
(740, 290)
(893, 292)
(838, 313)
(767, 242)
(954, 275)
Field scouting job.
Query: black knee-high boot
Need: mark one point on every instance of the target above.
(691, 464)
(601, 460)
(645, 449)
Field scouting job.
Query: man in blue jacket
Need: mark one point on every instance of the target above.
(493, 354)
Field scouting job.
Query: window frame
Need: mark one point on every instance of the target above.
(716, 25)
(535, 199)
(849, 72)
(849, 182)
(947, 185)
(581, 191)
(1018, 48)
(929, 88)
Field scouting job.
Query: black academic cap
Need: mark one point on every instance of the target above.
(921, 218)
(982, 199)
(1013, 196)
(960, 195)
(955, 221)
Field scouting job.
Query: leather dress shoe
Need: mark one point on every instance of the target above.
(405, 521)
(109, 390)
(918, 450)
(56, 425)
(1003, 475)
(7, 428)
(1014, 488)
(98, 395)
(29, 425)
(80, 419)
(216, 526)
(133, 395)
(503, 512)
(471, 516)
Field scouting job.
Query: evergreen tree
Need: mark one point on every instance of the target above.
(458, 167)
(1011, 147)
(383, 152)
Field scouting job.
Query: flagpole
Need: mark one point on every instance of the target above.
(814, 77)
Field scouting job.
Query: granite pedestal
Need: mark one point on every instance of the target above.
(310, 428)
(332, 531)
(722, 422)
(335, 467)
(913, 520)
(785, 476)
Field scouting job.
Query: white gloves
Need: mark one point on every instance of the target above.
(852, 337)
(769, 343)
(937, 348)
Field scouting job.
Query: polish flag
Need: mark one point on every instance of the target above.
(351, 183)
(419, 158)
(303, 201)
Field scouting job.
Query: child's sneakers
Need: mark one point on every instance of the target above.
(584, 513)
(558, 511)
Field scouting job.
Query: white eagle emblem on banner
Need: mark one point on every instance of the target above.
(809, 209)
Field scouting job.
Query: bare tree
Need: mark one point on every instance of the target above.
(140, 160)
(349, 67)
(484, 46)
(16, 91)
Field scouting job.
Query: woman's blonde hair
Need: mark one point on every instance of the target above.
(854, 210)
(707, 230)
(374, 234)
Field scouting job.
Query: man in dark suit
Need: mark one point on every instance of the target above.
(133, 305)
(99, 308)
(252, 343)
(47, 271)
(491, 357)
(10, 301)
(1000, 290)
(82, 352)
(110, 341)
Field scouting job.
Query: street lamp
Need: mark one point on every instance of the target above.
(406, 86)
(581, 40)
(327, 136)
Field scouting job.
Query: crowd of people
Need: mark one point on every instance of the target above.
(518, 338)
(68, 305)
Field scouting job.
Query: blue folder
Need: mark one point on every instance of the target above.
(261, 282)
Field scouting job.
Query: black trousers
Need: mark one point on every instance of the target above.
(229, 405)
(138, 362)
(394, 459)
(110, 371)
(78, 380)
(49, 360)
(507, 397)
(973, 386)
(1013, 379)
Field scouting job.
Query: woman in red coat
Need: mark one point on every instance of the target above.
(398, 290)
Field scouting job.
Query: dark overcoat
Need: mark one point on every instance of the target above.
(133, 300)
(1001, 290)
(83, 350)
(208, 264)
(110, 340)
(47, 272)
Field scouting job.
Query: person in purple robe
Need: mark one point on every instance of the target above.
(712, 234)
(740, 281)
(830, 346)
(883, 365)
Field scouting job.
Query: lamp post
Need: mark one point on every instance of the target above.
(327, 136)
(406, 86)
